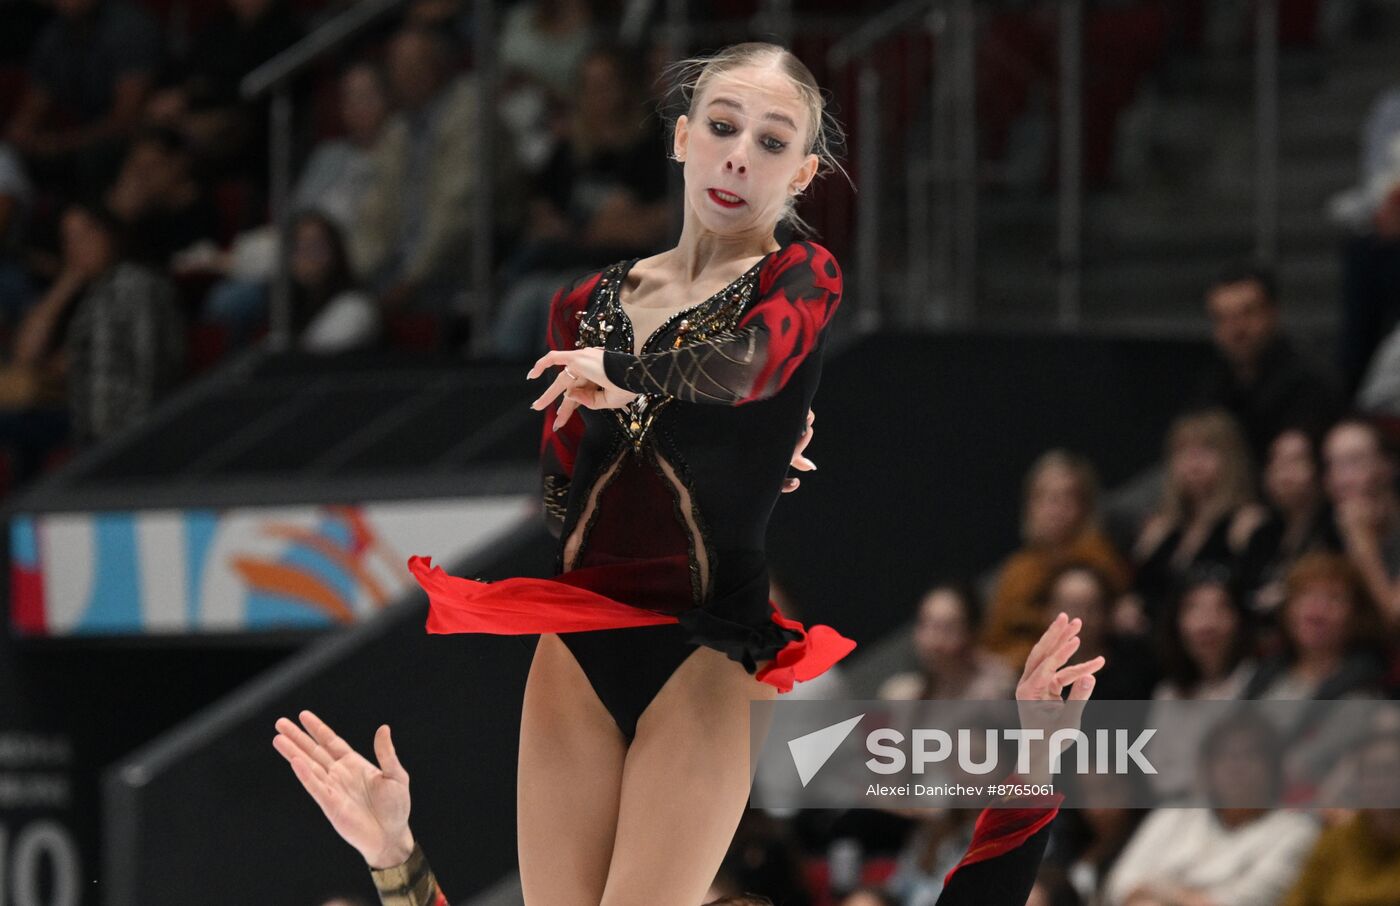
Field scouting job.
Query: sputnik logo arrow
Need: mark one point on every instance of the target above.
(811, 751)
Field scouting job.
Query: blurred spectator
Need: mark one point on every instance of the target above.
(1059, 524)
(1258, 375)
(1299, 518)
(762, 856)
(414, 227)
(340, 170)
(1086, 842)
(1207, 641)
(1357, 863)
(161, 205)
(1360, 482)
(938, 843)
(336, 178)
(1371, 261)
(1332, 649)
(1207, 648)
(601, 198)
(544, 41)
(16, 292)
(1081, 590)
(1208, 512)
(107, 332)
(1052, 888)
(1235, 851)
(1330, 630)
(951, 663)
(329, 312)
(90, 72)
(201, 96)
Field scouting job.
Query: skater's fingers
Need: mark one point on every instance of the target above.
(388, 758)
(323, 734)
(303, 741)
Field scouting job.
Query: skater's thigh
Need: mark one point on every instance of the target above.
(570, 774)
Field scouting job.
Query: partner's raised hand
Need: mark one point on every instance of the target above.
(1039, 702)
(1046, 675)
(368, 805)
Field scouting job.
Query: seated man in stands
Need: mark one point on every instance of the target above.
(1259, 376)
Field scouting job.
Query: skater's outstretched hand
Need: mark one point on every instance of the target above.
(366, 804)
(1039, 695)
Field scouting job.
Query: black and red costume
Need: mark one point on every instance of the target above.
(662, 507)
(661, 510)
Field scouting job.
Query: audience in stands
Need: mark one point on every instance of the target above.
(90, 74)
(938, 842)
(600, 198)
(1085, 843)
(1208, 512)
(340, 170)
(1207, 653)
(1368, 349)
(1059, 525)
(951, 663)
(1300, 519)
(1259, 376)
(330, 313)
(1360, 482)
(200, 94)
(334, 182)
(542, 45)
(107, 337)
(1331, 630)
(1235, 851)
(1081, 590)
(415, 225)
(162, 206)
(16, 196)
(543, 42)
(1357, 862)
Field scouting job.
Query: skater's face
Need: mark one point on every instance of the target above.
(745, 149)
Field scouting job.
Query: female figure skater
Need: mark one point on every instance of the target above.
(680, 384)
(368, 804)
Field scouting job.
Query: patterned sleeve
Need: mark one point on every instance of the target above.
(799, 290)
(557, 448)
(409, 884)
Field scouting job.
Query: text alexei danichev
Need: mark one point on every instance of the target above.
(943, 790)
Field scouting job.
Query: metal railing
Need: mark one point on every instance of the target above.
(938, 284)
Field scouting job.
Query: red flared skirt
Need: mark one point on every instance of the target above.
(522, 606)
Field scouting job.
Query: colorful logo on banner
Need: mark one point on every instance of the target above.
(238, 569)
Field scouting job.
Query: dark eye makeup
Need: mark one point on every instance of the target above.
(719, 127)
